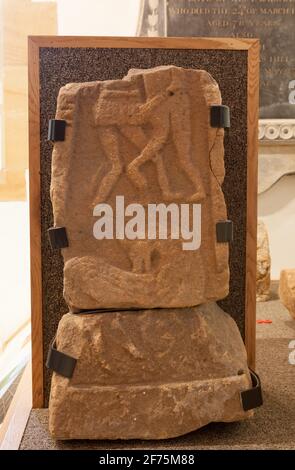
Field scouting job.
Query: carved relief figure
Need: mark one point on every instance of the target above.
(123, 110)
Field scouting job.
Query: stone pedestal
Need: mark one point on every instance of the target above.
(149, 374)
(287, 290)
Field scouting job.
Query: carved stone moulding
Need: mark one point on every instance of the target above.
(276, 151)
(278, 130)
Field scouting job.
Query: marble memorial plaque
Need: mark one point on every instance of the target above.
(270, 21)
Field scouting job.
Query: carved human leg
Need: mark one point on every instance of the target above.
(181, 132)
(109, 139)
(154, 145)
(137, 136)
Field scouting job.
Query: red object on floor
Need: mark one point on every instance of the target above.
(263, 321)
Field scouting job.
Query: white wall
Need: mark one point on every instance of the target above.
(276, 207)
(14, 267)
(97, 17)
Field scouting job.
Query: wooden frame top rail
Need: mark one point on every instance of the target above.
(239, 44)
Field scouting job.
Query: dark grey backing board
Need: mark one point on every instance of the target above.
(59, 66)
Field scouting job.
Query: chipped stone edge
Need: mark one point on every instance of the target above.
(196, 392)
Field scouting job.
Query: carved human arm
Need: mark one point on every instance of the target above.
(120, 93)
(144, 111)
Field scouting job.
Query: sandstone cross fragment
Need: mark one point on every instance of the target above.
(147, 138)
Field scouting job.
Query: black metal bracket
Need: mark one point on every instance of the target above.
(224, 231)
(56, 130)
(60, 362)
(220, 116)
(252, 398)
(58, 237)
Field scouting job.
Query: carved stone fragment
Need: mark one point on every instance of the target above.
(149, 374)
(129, 144)
(287, 290)
(263, 264)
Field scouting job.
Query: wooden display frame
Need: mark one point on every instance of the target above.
(251, 46)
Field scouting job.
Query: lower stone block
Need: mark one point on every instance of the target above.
(149, 374)
(287, 290)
